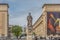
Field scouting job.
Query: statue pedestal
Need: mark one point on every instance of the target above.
(29, 37)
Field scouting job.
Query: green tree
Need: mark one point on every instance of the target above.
(17, 31)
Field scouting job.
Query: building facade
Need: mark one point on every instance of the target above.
(4, 19)
(48, 24)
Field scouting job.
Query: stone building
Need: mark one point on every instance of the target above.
(4, 19)
(46, 25)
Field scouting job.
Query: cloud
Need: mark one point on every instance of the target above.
(1, 1)
(20, 12)
(21, 20)
(10, 0)
(53, 1)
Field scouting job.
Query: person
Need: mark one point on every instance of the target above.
(35, 37)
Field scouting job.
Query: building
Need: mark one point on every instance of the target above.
(4, 19)
(48, 24)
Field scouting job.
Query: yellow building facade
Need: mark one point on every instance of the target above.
(4, 19)
(40, 26)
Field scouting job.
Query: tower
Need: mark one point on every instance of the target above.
(29, 27)
(4, 19)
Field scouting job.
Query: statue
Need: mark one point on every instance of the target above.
(29, 23)
(29, 27)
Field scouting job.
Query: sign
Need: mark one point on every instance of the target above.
(53, 23)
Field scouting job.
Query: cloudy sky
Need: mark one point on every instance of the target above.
(19, 9)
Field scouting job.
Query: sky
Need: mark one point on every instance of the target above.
(19, 10)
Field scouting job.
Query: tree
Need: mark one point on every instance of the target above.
(17, 31)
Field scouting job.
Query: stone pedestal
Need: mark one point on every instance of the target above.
(29, 37)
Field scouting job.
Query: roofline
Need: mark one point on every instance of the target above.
(37, 20)
(4, 4)
(49, 5)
